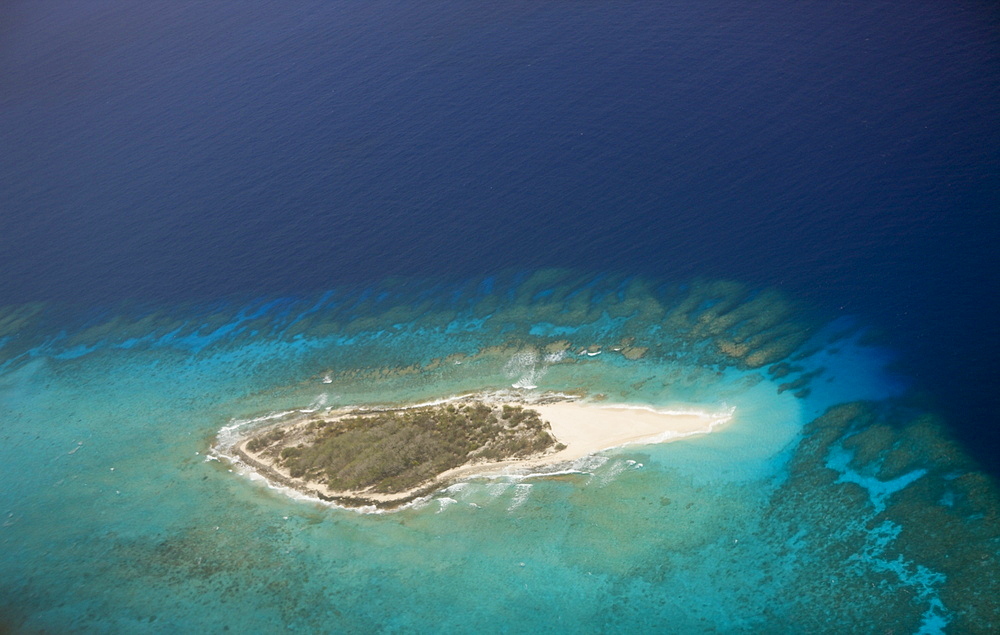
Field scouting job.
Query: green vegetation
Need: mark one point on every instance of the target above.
(259, 443)
(397, 450)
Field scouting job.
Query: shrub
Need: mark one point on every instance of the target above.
(398, 450)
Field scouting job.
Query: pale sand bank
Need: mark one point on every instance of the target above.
(587, 428)
(584, 428)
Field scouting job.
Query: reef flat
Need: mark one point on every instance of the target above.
(826, 493)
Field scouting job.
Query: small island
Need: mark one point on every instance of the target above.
(385, 458)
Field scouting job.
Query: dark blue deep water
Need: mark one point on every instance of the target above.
(848, 152)
(844, 152)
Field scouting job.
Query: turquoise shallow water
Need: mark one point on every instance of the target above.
(830, 503)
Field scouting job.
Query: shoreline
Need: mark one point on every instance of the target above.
(584, 428)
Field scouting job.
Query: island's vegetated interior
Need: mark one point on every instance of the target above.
(396, 450)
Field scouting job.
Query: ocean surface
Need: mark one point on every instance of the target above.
(215, 214)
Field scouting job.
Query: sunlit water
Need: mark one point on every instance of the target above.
(828, 504)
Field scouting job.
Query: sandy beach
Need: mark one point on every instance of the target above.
(584, 428)
(587, 428)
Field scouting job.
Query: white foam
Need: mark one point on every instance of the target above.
(499, 396)
(524, 365)
(231, 435)
(555, 358)
(521, 491)
(455, 487)
(606, 476)
(497, 488)
(445, 502)
(502, 479)
(723, 415)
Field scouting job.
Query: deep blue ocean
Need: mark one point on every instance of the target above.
(195, 194)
